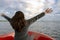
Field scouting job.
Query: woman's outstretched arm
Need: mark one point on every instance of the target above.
(32, 20)
(6, 17)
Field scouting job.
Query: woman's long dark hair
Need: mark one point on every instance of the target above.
(18, 21)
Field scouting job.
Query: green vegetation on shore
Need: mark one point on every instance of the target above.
(3, 20)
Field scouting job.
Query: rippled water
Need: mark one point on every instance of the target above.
(51, 28)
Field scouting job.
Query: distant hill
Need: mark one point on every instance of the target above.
(3, 20)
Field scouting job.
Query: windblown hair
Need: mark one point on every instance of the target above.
(18, 21)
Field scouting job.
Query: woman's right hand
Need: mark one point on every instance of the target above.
(48, 10)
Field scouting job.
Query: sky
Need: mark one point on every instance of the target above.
(30, 8)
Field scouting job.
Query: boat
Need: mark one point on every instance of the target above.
(37, 36)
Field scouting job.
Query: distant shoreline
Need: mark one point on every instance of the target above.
(3, 21)
(37, 21)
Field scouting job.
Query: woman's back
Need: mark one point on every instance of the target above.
(20, 25)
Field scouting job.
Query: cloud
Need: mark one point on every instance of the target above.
(27, 6)
(30, 8)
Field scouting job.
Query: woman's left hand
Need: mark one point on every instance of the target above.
(2, 14)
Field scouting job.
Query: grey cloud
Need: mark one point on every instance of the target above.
(14, 5)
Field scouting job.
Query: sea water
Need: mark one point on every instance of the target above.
(51, 28)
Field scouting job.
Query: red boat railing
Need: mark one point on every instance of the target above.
(37, 36)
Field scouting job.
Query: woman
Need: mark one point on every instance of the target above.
(20, 25)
